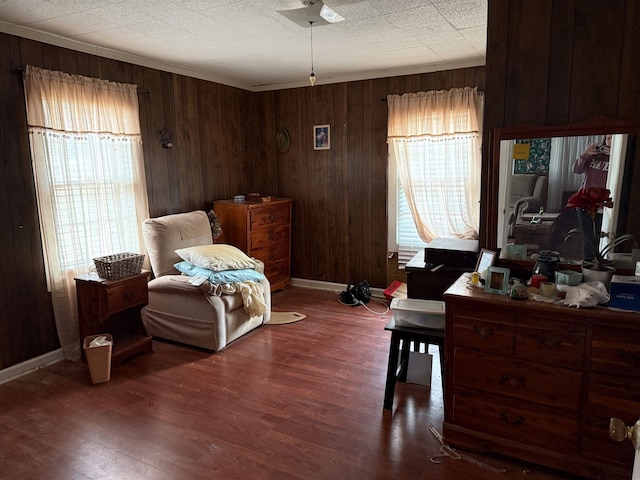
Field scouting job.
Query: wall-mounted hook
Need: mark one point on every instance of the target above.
(166, 138)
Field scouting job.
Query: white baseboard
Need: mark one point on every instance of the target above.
(30, 366)
(333, 287)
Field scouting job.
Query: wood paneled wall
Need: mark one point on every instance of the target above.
(558, 62)
(215, 131)
(224, 144)
(340, 195)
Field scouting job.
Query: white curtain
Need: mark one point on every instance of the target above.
(564, 152)
(86, 150)
(435, 142)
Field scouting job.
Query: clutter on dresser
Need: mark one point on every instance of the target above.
(258, 198)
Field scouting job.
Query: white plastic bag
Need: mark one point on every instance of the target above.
(587, 294)
(100, 341)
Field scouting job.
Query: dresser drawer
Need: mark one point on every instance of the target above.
(616, 351)
(550, 341)
(545, 384)
(272, 254)
(519, 421)
(597, 444)
(490, 332)
(277, 214)
(267, 237)
(121, 297)
(278, 272)
(610, 396)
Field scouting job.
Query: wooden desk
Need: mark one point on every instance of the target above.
(533, 235)
(406, 335)
(425, 284)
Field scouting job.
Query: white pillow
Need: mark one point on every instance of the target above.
(217, 257)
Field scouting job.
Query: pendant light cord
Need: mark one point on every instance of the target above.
(312, 77)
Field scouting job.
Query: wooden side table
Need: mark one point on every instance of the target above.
(425, 284)
(113, 306)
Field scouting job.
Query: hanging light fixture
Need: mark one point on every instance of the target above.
(312, 77)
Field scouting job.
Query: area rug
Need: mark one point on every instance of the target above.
(281, 318)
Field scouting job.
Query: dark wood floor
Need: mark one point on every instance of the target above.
(297, 401)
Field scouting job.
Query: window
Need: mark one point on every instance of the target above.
(434, 168)
(86, 150)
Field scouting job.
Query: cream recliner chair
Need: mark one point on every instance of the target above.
(182, 312)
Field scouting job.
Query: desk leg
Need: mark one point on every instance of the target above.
(442, 361)
(404, 360)
(392, 368)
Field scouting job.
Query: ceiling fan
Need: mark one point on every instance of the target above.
(314, 11)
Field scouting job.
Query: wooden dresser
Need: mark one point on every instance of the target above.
(539, 381)
(261, 230)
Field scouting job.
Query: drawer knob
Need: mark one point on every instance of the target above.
(512, 419)
(483, 332)
(550, 343)
(515, 382)
(630, 357)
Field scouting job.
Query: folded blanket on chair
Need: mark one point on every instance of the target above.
(252, 296)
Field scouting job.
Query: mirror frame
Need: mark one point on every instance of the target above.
(597, 126)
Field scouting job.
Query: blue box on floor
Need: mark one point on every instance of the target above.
(625, 292)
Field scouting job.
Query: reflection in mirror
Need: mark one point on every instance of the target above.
(537, 177)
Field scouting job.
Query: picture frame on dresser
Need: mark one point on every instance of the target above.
(486, 259)
(517, 252)
(497, 280)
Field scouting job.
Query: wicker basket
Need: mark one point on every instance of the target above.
(119, 265)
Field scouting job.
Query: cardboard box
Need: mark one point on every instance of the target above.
(396, 289)
(419, 368)
(411, 312)
(625, 292)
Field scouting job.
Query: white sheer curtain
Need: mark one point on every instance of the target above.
(86, 150)
(435, 144)
(564, 152)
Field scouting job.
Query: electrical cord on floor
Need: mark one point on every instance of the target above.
(379, 301)
(355, 302)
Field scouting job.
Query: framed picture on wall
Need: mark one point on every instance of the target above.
(321, 137)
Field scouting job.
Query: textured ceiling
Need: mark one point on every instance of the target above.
(247, 44)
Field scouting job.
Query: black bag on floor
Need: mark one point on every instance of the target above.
(356, 295)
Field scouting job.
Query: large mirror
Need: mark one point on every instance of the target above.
(536, 176)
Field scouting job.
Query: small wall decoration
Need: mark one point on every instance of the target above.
(321, 137)
(283, 140)
(166, 138)
(538, 153)
(497, 280)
